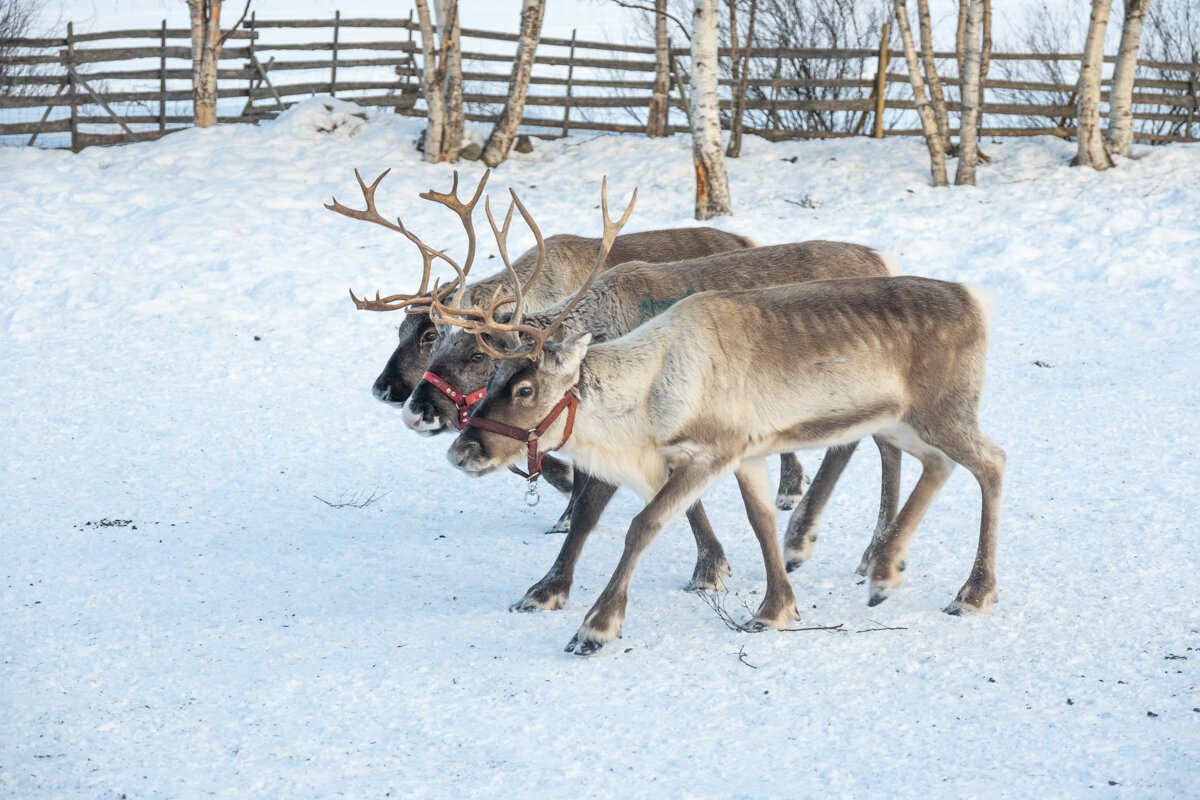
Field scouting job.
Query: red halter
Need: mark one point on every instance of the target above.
(570, 402)
(462, 401)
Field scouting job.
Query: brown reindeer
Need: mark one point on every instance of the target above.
(566, 259)
(806, 365)
(618, 301)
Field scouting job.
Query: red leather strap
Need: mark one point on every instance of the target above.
(462, 401)
(569, 402)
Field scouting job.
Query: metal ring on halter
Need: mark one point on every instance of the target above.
(532, 498)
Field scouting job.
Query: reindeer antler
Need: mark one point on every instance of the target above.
(419, 300)
(483, 322)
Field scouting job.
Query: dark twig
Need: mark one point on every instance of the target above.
(356, 501)
(718, 606)
(636, 7)
(881, 627)
(741, 654)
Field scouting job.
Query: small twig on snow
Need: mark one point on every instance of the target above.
(355, 501)
(718, 606)
(881, 627)
(741, 654)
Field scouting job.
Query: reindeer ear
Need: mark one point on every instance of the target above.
(564, 357)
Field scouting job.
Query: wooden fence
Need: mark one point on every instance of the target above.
(79, 92)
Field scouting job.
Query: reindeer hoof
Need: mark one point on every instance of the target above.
(878, 595)
(972, 600)
(786, 502)
(562, 526)
(541, 598)
(583, 647)
(707, 575)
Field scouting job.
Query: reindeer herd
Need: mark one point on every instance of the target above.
(662, 360)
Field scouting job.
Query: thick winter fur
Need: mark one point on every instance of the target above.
(618, 302)
(901, 358)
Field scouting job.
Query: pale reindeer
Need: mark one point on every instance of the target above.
(567, 261)
(806, 365)
(618, 301)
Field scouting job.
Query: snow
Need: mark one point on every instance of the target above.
(181, 616)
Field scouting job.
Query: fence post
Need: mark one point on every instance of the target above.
(881, 81)
(1192, 92)
(570, 77)
(162, 81)
(71, 80)
(337, 18)
(250, 66)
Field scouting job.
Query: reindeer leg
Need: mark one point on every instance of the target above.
(889, 498)
(779, 605)
(891, 552)
(802, 527)
(579, 479)
(685, 484)
(711, 564)
(792, 482)
(986, 461)
(558, 473)
(551, 592)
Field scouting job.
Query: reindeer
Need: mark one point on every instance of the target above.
(618, 301)
(805, 365)
(568, 260)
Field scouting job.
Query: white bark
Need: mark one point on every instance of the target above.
(451, 67)
(206, 49)
(431, 86)
(968, 123)
(1120, 101)
(929, 124)
(505, 129)
(656, 122)
(1091, 152)
(712, 185)
(936, 95)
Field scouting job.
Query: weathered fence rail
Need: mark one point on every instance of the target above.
(130, 85)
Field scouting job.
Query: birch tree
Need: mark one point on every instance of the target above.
(741, 77)
(505, 129)
(1120, 100)
(1091, 151)
(935, 137)
(968, 124)
(712, 185)
(656, 121)
(441, 80)
(207, 41)
(936, 95)
(451, 58)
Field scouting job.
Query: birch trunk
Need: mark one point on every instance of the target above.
(712, 185)
(1120, 101)
(1091, 151)
(451, 61)
(206, 49)
(968, 124)
(656, 123)
(505, 129)
(431, 86)
(934, 139)
(741, 80)
(937, 96)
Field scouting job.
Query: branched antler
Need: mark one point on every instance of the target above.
(420, 300)
(483, 322)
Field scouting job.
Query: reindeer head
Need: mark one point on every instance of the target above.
(534, 384)
(418, 334)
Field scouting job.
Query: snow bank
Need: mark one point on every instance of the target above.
(184, 376)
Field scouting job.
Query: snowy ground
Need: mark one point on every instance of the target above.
(183, 374)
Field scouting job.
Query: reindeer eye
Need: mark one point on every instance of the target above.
(525, 391)
(430, 336)
(476, 358)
